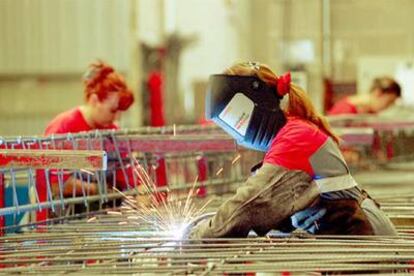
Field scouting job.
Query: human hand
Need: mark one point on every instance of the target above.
(76, 187)
(307, 219)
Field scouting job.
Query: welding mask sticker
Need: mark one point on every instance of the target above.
(238, 113)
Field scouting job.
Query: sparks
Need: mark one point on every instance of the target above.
(114, 213)
(86, 171)
(169, 214)
(236, 159)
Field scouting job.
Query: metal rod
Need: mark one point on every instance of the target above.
(58, 159)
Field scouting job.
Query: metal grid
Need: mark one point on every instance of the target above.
(18, 158)
(372, 142)
(102, 242)
(173, 156)
(393, 189)
(105, 245)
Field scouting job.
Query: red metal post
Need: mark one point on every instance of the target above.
(161, 177)
(42, 192)
(202, 175)
(2, 202)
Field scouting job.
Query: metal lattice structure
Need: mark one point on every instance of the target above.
(105, 245)
(173, 156)
(102, 241)
(371, 142)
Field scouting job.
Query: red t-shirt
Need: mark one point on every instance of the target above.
(71, 121)
(295, 144)
(344, 106)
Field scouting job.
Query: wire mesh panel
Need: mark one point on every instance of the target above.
(18, 185)
(121, 240)
(104, 243)
(173, 157)
(371, 142)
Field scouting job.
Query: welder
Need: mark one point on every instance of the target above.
(303, 181)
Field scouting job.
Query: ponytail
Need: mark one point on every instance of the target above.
(301, 106)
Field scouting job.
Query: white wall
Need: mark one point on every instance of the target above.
(149, 20)
(215, 24)
(49, 36)
(46, 46)
(59, 38)
(62, 36)
(218, 25)
(364, 28)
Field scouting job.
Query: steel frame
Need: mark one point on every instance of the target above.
(157, 141)
(57, 159)
(161, 142)
(102, 245)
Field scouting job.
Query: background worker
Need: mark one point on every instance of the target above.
(304, 180)
(106, 97)
(383, 93)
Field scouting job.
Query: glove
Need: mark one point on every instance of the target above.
(307, 219)
(192, 225)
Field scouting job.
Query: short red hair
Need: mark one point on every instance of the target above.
(101, 79)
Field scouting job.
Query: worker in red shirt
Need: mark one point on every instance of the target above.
(106, 97)
(303, 182)
(384, 92)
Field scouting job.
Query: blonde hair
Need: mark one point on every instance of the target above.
(299, 104)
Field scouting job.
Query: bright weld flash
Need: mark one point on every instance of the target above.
(177, 231)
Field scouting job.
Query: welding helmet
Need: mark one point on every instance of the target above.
(246, 108)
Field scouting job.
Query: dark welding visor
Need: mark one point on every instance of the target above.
(246, 108)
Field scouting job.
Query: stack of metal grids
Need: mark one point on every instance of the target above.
(104, 244)
(173, 157)
(107, 242)
(372, 142)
